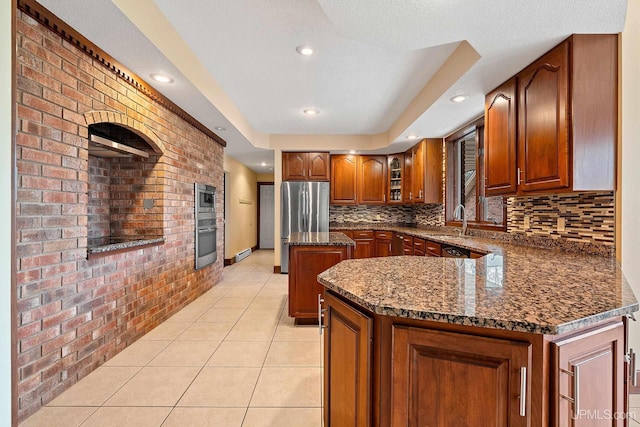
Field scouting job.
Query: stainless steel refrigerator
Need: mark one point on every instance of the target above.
(304, 207)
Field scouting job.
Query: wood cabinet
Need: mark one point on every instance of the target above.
(383, 240)
(358, 180)
(364, 244)
(348, 364)
(435, 374)
(565, 123)
(407, 245)
(396, 181)
(588, 372)
(423, 170)
(305, 263)
(343, 179)
(419, 246)
(297, 166)
(500, 144)
(372, 180)
(433, 248)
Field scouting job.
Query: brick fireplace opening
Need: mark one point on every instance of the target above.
(126, 192)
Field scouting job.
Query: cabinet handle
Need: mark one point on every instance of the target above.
(320, 314)
(420, 195)
(410, 195)
(523, 391)
(384, 198)
(576, 391)
(632, 367)
(519, 174)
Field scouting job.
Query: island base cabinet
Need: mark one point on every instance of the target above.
(347, 348)
(588, 373)
(305, 263)
(445, 379)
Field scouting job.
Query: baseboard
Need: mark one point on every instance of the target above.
(276, 269)
(228, 262)
(636, 389)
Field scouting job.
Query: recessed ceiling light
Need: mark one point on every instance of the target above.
(459, 98)
(352, 151)
(162, 78)
(305, 50)
(219, 128)
(311, 112)
(412, 136)
(263, 164)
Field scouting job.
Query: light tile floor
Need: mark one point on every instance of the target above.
(230, 358)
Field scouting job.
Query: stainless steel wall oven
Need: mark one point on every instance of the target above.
(206, 228)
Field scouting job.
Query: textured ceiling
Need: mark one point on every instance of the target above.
(373, 57)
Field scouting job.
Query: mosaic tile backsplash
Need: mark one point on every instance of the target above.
(589, 218)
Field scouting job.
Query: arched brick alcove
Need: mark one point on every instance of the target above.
(149, 136)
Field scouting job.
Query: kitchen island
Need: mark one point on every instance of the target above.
(310, 253)
(519, 337)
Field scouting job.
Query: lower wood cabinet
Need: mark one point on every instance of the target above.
(305, 263)
(390, 371)
(383, 241)
(365, 246)
(451, 379)
(588, 372)
(348, 365)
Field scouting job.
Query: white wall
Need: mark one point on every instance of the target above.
(241, 201)
(6, 141)
(630, 157)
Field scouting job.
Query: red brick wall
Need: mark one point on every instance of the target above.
(99, 209)
(74, 313)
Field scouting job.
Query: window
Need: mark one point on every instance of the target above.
(465, 181)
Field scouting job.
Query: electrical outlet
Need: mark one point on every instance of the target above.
(527, 222)
(561, 224)
(378, 217)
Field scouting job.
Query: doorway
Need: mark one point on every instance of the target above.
(266, 215)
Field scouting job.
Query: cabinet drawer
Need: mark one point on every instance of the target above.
(408, 241)
(433, 248)
(363, 234)
(384, 235)
(419, 244)
(407, 250)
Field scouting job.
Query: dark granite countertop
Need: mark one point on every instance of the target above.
(514, 287)
(319, 239)
(109, 244)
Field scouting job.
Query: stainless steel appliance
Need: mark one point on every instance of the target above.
(305, 208)
(455, 252)
(206, 229)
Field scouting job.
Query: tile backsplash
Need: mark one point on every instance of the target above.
(588, 217)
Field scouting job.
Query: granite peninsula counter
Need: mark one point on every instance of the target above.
(523, 336)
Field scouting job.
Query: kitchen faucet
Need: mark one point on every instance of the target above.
(456, 215)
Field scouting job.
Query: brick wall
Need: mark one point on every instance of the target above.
(99, 209)
(75, 313)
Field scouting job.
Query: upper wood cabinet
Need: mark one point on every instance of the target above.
(423, 169)
(395, 183)
(372, 180)
(358, 179)
(343, 179)
(305, 166)
(565, 124)
(500, 144)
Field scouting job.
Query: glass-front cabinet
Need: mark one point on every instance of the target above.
(396, 176)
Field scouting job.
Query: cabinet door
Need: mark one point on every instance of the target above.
(433, 248)
(408, 172)
(305, 263)
(500, 143)
(589, 369)
(343, 179)
(372, 180)
(347, 372)
(318, 166)
(383, 248)
(452, 379)
(364, 248)
(417, 172)
(395, 183)
(543, 120)
(294, 166)
(432, 170)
